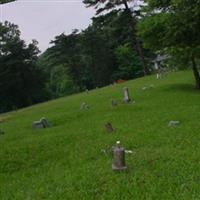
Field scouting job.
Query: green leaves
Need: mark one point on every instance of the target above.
(5, 1)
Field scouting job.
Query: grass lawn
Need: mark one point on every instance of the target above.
(66, 161)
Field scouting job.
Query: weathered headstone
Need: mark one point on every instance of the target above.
(108, 127)
(114, 102)
(118, 158)
(84, 106)
(126, 95)
(173, 123)
(42, 123)
(45, 122)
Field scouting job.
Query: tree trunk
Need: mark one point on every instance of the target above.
(138, 44)
(141, 56)
(196, 73)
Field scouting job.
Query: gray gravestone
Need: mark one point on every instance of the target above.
(42, 123)
(118, 158)
(173, 123)
(108, 127)
(84, 106)
(126, 95)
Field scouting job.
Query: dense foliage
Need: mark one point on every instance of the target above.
(21, 82)
(95, 57)
(173, 26)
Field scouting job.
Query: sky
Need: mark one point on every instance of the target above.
(44, 19)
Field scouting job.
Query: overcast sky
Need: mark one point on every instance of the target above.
(44, 19)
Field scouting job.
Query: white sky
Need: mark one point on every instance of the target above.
(44, 19)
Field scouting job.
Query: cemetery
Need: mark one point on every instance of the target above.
(150, 151)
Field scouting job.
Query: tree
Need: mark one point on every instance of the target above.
(173, 26)
(21, 83)
(109, 5)
(5, 1)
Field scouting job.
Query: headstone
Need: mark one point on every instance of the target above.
(174, 123)
(108, 127)
(87, 91)
(84, 106)
(114, 102)
(42, 123)
(45, 122)
(118, 158)
(126, 95)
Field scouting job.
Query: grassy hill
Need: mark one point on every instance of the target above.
(67, 162)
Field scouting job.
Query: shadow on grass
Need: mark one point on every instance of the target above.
(189, 88)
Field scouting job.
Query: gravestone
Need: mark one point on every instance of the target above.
(118, 158)
(114, 102)
(173, 123)
(42, 123)
(84, 106)
(126, 95)
(108, 127)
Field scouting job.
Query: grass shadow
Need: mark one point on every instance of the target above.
(190, 88)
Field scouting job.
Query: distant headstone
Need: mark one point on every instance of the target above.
(84, 106)
(118, 158)
(126, 95)
(42, 123)
(108, 127)
(114, 102)
(174, 123)
(87, 91)
(148, 87)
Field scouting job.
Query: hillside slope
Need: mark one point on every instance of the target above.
(67, 162)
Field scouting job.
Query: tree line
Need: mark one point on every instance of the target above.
(120, 43)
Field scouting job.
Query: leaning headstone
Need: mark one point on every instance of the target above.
(118, 158)
(126, 95)
(173, 123)
(45, 122)
(108, 127)
(42, 123)
(84, 106)
(114, 102)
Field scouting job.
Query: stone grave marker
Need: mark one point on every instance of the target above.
(42, 123)
(108, 127)
(126, 98)
(118, 158)
(84, 106)
(173, 123)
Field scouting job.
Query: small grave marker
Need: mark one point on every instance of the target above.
(42, 123)
(126, 95)
(108, 127)
(173, 123)
(84, 106)
(118, 158)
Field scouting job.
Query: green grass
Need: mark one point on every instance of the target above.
(66, 162)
